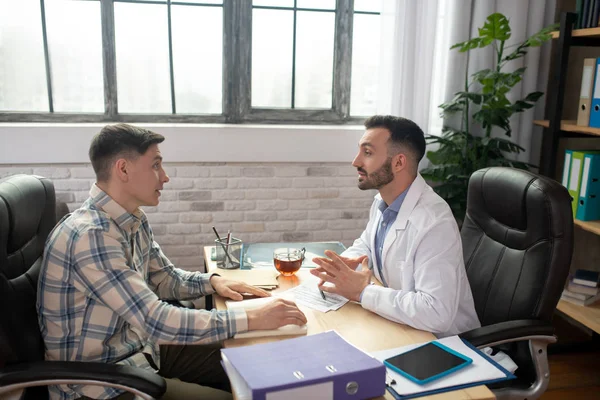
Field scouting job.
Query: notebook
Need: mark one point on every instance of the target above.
(262, 278)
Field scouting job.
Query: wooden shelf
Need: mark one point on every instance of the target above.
(589, 32)
(570, 126)
(588, 316)
(590, 226)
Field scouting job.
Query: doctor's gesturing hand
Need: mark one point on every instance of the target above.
(340, 271)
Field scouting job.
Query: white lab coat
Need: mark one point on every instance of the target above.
(422, 265)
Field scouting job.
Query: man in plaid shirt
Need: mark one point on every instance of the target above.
(104, 277)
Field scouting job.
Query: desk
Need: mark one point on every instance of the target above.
(364, 329)
(588, 316)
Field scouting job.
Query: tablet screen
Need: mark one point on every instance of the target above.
(426, 361)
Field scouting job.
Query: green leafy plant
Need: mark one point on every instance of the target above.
(483, 105)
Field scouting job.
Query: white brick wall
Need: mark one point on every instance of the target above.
(257, 202)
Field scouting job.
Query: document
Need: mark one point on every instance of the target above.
(308, 294)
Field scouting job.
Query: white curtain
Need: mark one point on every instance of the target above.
(419, 72)
(411, 61)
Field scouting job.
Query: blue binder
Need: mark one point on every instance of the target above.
(324, 362)
(595, 111)
(588, 208)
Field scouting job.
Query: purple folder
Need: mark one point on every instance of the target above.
(324, 359)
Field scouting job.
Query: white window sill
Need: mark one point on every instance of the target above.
(45, 143)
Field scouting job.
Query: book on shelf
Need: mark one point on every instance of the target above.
(586, 278)
(576, 288)
(567, 296)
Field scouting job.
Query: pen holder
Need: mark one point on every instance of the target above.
(228, 255)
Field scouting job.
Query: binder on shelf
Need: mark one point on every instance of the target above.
(585, 96)
(323, 366)
(595, 110)
(588, 208)
(575, 179)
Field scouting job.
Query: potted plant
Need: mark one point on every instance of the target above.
(482, 107)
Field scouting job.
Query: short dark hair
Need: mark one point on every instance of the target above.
(403, 133)
(119, 140)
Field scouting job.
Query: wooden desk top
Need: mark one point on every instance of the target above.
(364, 329)
(588, 316)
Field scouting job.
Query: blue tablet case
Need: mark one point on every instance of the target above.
(466, 362)
(457, 387)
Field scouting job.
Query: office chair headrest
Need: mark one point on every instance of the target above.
(504, 202)
(30, 203)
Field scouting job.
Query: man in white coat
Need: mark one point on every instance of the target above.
(411, 242)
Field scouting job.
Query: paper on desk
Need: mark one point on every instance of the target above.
(480, 370)
(255, 303)
(307, 294)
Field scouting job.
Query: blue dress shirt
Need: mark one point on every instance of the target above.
(388, 216)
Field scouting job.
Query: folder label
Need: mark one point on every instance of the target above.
(586, 173)
(565, 178)
(586, 82)
(575, 169)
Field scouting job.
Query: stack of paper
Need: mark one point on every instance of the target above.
(255, 303)
(482, 371)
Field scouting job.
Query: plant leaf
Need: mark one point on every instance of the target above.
(496, 27)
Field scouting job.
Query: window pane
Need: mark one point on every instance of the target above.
(367, 5)
(76, 59)
(272, 38)
(318, 4)
(197, 58)
(314, 59)
(22, 65)
(273, 3)
(142, 41)
(365, 64)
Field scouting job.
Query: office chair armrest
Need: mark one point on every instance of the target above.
(145, 383)
(510, 331)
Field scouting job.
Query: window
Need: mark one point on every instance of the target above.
(272, 61)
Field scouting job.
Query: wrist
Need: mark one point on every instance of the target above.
(214, 280)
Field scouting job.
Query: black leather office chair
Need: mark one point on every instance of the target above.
(517, 242)
(27, 215)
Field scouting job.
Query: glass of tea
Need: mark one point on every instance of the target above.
(287, 260)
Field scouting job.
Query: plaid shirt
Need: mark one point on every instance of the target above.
(99, 294)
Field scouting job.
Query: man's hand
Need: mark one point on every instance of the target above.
(234, 289)
(347, 282)
(275, 314)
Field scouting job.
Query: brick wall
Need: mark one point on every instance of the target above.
(257, 202)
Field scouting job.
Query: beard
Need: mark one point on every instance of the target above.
(377, 179)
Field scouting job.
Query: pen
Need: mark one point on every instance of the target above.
(322, 295)
(223, 246)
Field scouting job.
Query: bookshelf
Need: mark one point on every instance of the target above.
(557, 129)
(588, 32)
(570, 126)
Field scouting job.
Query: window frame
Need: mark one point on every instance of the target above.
(237, 75)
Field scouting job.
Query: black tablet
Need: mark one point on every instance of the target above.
(428, 362)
